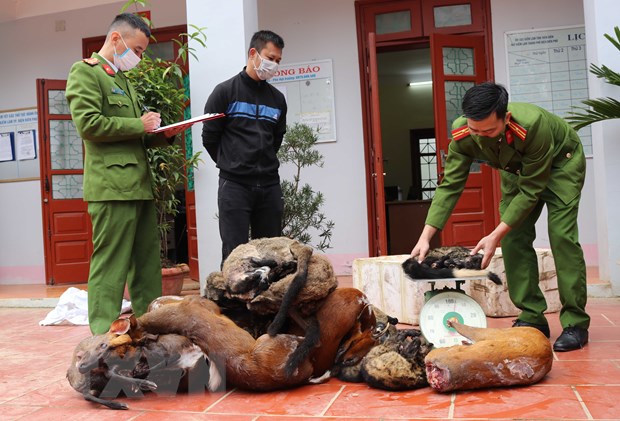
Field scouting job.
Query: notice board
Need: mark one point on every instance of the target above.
(309, 91)
(19, 145)
(548, 67)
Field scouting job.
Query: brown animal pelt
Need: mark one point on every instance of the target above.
(498, 357)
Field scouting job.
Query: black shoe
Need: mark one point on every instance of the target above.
(572, 338)
(543, 328)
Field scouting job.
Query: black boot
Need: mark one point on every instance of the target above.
(572, 338)
(543, 328)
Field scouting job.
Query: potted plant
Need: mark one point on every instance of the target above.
(302, 205)
(161, 87)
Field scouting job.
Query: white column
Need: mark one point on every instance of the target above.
(600, 18)
(229, 27)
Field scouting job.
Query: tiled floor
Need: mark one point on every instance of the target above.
(582, 385)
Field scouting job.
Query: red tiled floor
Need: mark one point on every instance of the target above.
(535, 402)
(582, 385)
(601, 401)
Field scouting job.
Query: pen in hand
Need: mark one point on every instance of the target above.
(149, 115)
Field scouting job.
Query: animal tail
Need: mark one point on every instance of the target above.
(415, 270)
(303, 254)
(311, 339)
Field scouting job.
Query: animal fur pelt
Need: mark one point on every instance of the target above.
(385, 327)
(448, 262)
(123, 361)
(263, 364)
(498, 357)
(398, 363)
(259, 273)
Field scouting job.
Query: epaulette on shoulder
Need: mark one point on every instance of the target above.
(460, 133)
(93, 61)
(517, 129)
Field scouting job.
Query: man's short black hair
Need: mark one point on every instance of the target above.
(485, 99)
(129, 20)
(261, 38)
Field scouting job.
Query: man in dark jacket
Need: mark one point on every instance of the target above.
(244, 145)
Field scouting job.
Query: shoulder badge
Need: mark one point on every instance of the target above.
(93, 61)
(460, 133)
(517, 129)
(108, 69)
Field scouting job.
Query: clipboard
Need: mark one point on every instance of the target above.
(192, 120)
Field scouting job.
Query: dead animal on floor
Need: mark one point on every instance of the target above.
(497, 357)
(385, 327)
(273, 276)
(448, 262)
(105, 366)
(347, 328)
(397, 363)
(345, 323)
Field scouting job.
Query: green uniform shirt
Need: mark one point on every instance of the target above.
(532, 155)
(106, 113)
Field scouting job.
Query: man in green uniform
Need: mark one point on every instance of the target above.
(541, 162)
(117, 179)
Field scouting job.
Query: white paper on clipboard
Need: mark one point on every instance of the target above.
(192, 120)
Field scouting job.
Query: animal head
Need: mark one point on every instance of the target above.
(93, 353)
(360, 339)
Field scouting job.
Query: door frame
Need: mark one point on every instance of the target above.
(66, 224)
(375, 200)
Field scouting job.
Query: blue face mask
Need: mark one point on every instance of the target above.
(127, 60)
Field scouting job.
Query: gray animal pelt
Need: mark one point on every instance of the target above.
(260, 272)
(397, 363)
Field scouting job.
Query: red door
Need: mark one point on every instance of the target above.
(378, 238)
(458, 63)
(66, 224)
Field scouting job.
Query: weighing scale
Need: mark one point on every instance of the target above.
(447, 303)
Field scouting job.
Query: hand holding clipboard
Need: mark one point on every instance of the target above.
(182, 125)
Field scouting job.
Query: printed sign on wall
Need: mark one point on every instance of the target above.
(309, 92)
(548, 67)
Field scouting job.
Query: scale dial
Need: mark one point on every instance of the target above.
(444, 306)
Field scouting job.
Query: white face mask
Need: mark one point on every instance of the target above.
(127, 60)
(266, 69)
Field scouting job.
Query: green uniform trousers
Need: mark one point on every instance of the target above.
(125, 250)
(521, 262)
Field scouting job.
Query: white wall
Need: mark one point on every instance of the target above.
(325, 29)
(606, 147)
(312, 30)
(511, 16)
(32, 49)
(228, 37)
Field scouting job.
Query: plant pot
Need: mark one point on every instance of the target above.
(171, 280)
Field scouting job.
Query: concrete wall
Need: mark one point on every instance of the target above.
(33, 49)
(325, 29)
(512, 16)
(320, 29)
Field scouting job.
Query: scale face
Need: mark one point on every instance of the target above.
(443, 306)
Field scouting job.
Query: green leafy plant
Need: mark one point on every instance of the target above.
(601, 108)
(161, 87)
(302, 205)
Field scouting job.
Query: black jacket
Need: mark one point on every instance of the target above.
(245, 143)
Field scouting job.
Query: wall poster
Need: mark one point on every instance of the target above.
(309, 91)
(19, 145)
(548, 67)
